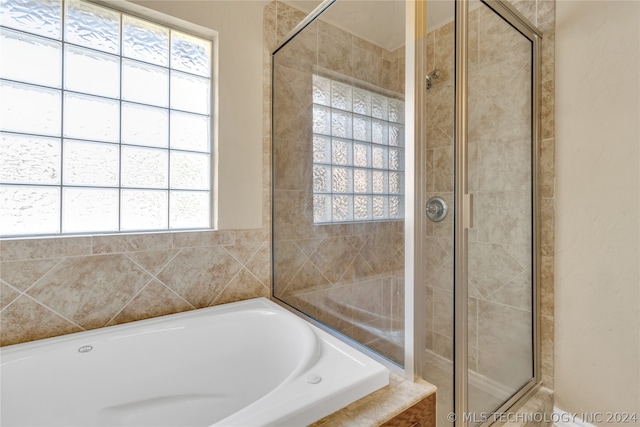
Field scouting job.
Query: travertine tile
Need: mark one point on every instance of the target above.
(292, 108)
(430, 59)
(293, 215)
(368, 303)
(547, 169)
(444, 52)
(287, 18)
(308, 246)
(372, 48)
(269, 19)
(546, 349)
(244, 237)
(497, 37)
(307, 278)
(387, 404)
(368, 67)
(358, 270)
(260, 264)
(379, 250)
(443, 346)
(547, 109)
(203, 238)
(545, 19)
(335, 307)
(153, 261)
(429, 171)
(154, 300)
(243, 252)
(288, 258)
(14, 250)
(533, 408)
(443, 169)
(547, 227)
(243, 286)
(22, 274)
(546, 286)
(504, 165)
(26, 320)
(291, 173)
(333, 256)
(334, 51)
(528, 8)
(504, 343)
(443, 312)
(503, 217)
(429, 310)
(516, 293)
(491, 267)
(7, 295)
(436, 254)
(547, 59)
(199, 274)
(439, 110)
(130, 243)
(90, 290)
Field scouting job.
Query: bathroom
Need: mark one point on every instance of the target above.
(54, 286)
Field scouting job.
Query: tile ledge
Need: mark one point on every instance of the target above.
(382, 405)
(533, 410)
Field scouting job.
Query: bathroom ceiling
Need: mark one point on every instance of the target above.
(379, 21)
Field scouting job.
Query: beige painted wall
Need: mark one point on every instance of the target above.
(597, 298)
(239, 27)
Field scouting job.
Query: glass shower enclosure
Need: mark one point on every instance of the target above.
(338, 176)
(404, 163)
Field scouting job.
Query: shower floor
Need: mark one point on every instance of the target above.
(439, 372)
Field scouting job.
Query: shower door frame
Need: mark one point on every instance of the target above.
(463, 209)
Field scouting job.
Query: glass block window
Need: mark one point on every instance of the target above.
(358, 154)
(105, 121)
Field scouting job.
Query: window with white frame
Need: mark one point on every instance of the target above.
(358, 154)
(105, 121)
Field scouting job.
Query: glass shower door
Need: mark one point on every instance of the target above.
(339, 168)
(480, 259)
(500, 266)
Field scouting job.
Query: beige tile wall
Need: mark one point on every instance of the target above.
(350, 276)
(61, 285)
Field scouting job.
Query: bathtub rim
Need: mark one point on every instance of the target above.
(146, 323)
(387, 363)
(361, 387)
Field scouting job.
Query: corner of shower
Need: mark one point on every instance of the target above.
(366, 128)
(338, 143)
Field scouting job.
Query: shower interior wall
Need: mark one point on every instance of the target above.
(349, 276)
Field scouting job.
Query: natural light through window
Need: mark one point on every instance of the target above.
(358, 154)
(105, 122)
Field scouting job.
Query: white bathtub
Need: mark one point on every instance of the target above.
(250, 363)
